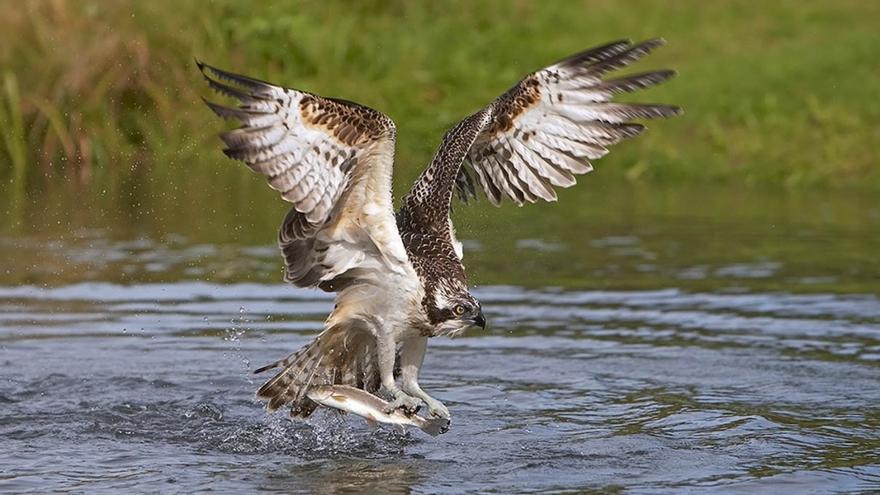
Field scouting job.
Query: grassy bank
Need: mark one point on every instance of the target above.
(104, 95)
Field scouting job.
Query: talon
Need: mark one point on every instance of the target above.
(406, 403)
(436, 409)
(440, 414)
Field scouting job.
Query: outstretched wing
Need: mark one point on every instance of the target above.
(542, 132)
(548, 128)
(332, 159)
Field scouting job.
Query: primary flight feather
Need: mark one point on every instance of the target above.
(398, 277)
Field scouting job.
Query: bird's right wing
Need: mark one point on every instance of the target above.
(332, 159)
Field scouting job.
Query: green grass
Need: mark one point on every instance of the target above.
(104, 96)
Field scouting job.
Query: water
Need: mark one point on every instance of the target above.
(641, 345)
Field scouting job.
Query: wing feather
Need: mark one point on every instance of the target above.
(326, 156)
(560, 159)
(548, 127)
(488, 178)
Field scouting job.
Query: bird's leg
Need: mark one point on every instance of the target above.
(412, 354)
(386, 351)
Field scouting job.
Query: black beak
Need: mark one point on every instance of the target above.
(480, 320)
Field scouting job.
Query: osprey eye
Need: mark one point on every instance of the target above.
(458, 310)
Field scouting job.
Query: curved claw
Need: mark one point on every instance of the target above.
(436, 409)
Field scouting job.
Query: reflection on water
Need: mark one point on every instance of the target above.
(601, 236)
(628, 350)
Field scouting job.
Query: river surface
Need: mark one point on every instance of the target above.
(640, 340)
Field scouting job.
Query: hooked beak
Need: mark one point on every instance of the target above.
(480, 320)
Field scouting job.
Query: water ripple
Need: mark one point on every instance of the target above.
(658, 390)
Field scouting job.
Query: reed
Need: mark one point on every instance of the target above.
(13, 129)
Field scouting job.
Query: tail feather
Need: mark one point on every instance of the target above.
(338, 356)
(281, 363)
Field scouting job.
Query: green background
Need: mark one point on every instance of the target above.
(99, 94)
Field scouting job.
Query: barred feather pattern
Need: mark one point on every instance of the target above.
(550, 126)
(312, 150)
(341, 356)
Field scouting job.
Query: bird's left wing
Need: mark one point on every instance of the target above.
(540, 133)
(547, 128)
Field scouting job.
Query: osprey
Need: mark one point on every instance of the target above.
(398, 277)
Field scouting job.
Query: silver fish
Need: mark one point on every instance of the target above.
(372, 408)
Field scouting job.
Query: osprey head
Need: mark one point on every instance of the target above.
(452, 309)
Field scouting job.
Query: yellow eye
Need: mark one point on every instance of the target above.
(458, 310)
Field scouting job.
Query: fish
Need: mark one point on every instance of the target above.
(372, 408)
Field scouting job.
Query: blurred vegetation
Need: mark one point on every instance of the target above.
(102, 97)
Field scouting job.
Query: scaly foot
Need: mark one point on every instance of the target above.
(436, 409)
(406, 403)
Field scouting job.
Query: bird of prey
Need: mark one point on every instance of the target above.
(398, 277)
